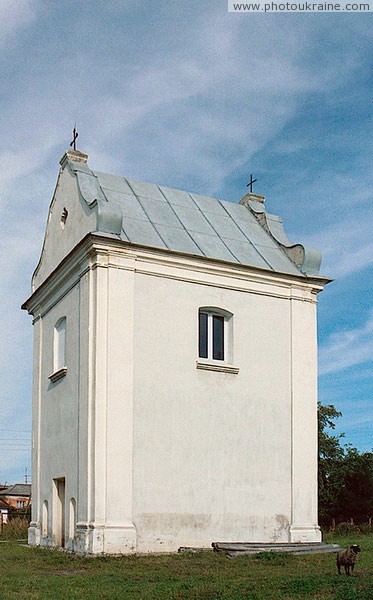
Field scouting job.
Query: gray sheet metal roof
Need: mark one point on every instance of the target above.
(17, 489)
(161, 217)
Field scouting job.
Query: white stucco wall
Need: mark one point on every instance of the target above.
(212, 451)
(55, 413)
(158, 453)
(61, 238)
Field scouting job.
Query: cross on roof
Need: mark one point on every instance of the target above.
(75, 135)
(250, 184)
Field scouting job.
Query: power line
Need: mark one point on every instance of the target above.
(14, 439)
(17, 430)
(15, 443)
(20, 440)
(13, 449)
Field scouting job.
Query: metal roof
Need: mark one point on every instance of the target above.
(17, 489)
(176, 220)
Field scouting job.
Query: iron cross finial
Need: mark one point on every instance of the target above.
(75, 135)
(250, 184)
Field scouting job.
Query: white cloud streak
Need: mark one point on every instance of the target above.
(15, 15)
(346, 349)
(347, 246)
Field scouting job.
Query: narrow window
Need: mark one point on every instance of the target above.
(44, 521)
(203, 343)
(213, 330)
(64, 216)
(59, 350)
(72, 518)
(218, 337)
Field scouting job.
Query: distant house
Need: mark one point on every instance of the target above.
(17, 495)
(4, 511)
(175, 370)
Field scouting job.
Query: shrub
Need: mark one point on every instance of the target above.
(366, 528)
(346, 528)
(15, 529)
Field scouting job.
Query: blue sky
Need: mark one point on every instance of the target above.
(188, 95)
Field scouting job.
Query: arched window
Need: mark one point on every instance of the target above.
(59, 350)
(64, 216)
(214, 333)
(44, 519)
(215, 340)
(72, 518)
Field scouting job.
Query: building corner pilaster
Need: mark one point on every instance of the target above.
(110, 528)
(304, 490)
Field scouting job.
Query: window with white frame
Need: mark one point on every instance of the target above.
(213, 334)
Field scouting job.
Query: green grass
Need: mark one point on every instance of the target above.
(35, 573)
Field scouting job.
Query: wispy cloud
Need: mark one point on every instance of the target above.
(185, 104)
(345, 349)
(15, 15)
(347, 246)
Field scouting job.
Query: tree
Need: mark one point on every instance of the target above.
(355, 499)
(345, 475)
(330, 463)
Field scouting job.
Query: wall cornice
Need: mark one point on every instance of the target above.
(97, 251)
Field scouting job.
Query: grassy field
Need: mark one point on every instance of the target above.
(52, 575)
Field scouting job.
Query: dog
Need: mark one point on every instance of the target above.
(348, 558)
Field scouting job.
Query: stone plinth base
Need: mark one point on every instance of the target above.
(105, 539)
(299, 534)
(34, 534)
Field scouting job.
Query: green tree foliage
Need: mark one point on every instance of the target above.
(356, 495)
(345, 475)
(330, 460)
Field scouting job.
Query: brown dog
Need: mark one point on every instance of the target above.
(347, 559)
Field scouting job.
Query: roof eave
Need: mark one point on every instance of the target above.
(85, 244)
